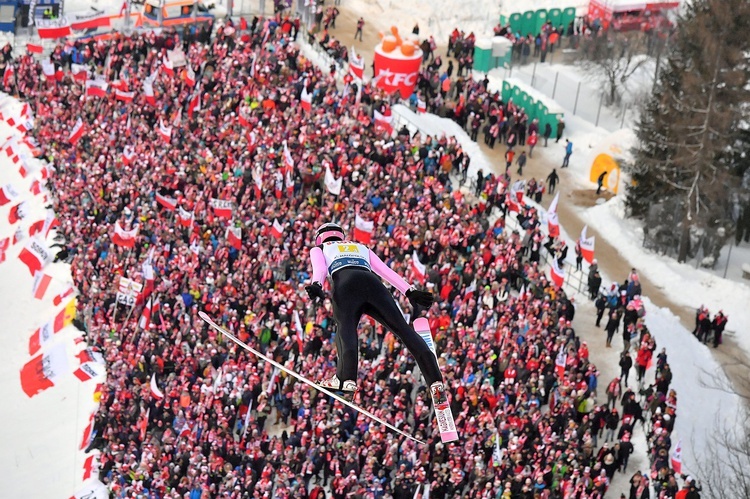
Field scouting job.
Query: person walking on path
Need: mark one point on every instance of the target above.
(547, 133)
(552, 179)
(560, 129)
(568, 153)
(360, 25)
(521, 162)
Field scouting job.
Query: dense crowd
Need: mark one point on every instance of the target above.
(523, 389)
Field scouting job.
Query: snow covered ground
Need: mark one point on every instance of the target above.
(41, 452)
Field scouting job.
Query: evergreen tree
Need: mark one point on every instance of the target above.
(683, 162)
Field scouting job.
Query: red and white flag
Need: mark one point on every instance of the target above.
(90, 355)
(124, 96)
(363, 229)
(148, 92)
(165, 132)
(4, 245)
(96, 88)
(53, 32)
(421, 106)
(128, 155)
(48, 70)
(7, 194)
(189, 76)
(168, 66)
(170, 204)
(305, 100)
(384, 120)
(557, 273)
(41, 283)
(587, 245)
(333, 185)
(35, 255)
(234, 237)
(90, 467)
(185, 217)
(76, 133)
(44, 334)
(90, 370)
(34, 48)
(44, 226)
(41, 372)
(553, 224)
(288, 161)
(155, 391)
(356, 64)
(277, 230)
(420, 270)
(17, 213)
(58, 299)
(152, 306)
(471, 289)
(676, 458)
(194, 104)
(80, 73)
(560, 361)
(9, 75)
(512, 204)
(516, 190)
(300, 330)
(125, 238)
(222, 207)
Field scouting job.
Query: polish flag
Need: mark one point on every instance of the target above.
(421, 106)
(44, 334)
(41, 283)
(300, 330)
(85, 441)
(516, 190)
(123, 237)
(419, 268)
(168, 66)
(165, 132)
(356, 64)
(234, 237)
(471, 289)
(167, 202)
(90, 370)
(35, 255)
(52, 32)
(7, 194)
(89, 355)
(222, 207)
(553, 224)
(363, 229)
(194, 104)
(148, 92)
(48, 69)
(288, 161)
(155, 391)
(9, 74)
(189, 76)
(277, 230)
(557, 274)
(384, 120)
(128, 155)
(560, 361)
(513, 206)
(587, 245)
(76, 133)
(306, 100)
(152, 306)
(185, 217)
(96, 88)
(80, 73)
(333, 185)
(34, 48)
(90, 466)
(676, 458)
(44, 226)
(42, 371)
(124, 96)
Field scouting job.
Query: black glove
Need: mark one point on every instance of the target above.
(315, 290)
(420, 299)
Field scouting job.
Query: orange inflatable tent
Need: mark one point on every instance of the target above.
(606, 163)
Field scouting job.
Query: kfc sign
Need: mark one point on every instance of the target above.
(395, 71)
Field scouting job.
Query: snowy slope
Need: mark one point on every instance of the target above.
(41, 435)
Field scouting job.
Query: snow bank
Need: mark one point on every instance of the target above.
(41, 435)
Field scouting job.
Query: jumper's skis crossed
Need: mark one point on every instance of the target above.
(301, 378)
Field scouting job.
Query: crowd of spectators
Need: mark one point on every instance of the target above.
(521, 380)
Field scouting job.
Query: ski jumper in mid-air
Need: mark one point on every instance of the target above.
(355, 273)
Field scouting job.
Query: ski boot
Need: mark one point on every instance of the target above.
(443, 414)
(346, 389)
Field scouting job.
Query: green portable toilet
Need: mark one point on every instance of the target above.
(516, 95)
(483, 60)
(554, 16)
(504, 19)
(507, 91)
(529, 22)
(541, 112)
(568, 16)
(539, 19)
(516, 23)
(523, 100)
(530, 107)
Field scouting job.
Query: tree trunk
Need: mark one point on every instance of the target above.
(684, 248)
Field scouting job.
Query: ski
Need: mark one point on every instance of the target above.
(303, 379)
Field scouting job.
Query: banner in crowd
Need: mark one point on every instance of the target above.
(41, 372)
